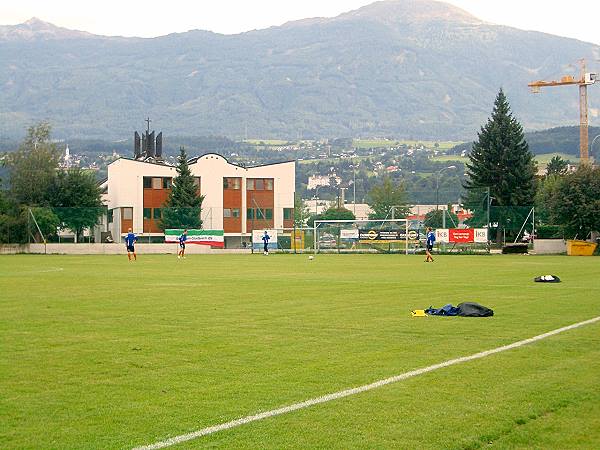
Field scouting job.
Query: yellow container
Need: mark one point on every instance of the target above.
(580, 248)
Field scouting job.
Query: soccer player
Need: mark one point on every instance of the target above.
(182, 240)
(265, 239)
(130, 240)
(429, 244)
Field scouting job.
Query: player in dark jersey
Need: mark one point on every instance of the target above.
(265, 238)
(130, 240)
(182, 240)
(429, 244)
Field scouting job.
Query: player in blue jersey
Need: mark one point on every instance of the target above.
(130, 240)
(182, 240)
(265, 238)
(429, 244)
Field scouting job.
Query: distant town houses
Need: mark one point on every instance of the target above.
(316, 181)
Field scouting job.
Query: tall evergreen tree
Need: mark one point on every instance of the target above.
(184, 205)
(500, 161)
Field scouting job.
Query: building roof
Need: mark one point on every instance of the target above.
(195, 159)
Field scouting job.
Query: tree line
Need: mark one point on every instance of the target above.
(39, 191)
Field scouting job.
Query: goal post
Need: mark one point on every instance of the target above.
(364, 236)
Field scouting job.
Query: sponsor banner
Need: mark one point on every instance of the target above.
(349, 234)
(481, 235)
(257, 242)
(442, 235)
(384, 236)
(214, 238)
(461, 235)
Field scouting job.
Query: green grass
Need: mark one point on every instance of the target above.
(375, 143)
(270, 142)
(110, 354)
(450, 158)
(544, 158)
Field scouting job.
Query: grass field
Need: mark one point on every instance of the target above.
(450, 158)
(542, 159)
(545, 158)
(375, 143)
(270, 142)
(101, 353)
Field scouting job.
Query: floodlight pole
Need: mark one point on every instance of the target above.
(592, 144)
(354, 188)
(316, 197)
(437, 185)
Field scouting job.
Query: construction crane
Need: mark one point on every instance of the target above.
(583, 82)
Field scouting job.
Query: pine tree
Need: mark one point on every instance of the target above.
(557, 166)
(184, 206)
(500, 161)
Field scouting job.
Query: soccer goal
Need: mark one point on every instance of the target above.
(364, 236)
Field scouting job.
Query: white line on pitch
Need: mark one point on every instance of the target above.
(357, 390)
(28, 272)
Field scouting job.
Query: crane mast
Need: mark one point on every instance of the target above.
(583, 82)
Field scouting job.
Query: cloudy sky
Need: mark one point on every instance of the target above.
(153, 18)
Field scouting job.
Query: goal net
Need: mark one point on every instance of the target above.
(366, 236)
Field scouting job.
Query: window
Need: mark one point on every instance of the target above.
(235, 212)
(157, 213)
(147, 213)
(109, 216)
(127, 213)
(157, 183)
(167, 183)
(263, 214)
(231, 183)
(197, 182)
(269, 184)
(249, 214)
(147, 182)
(226, 212)
(259, 185)
(288, 213)
(250, 184)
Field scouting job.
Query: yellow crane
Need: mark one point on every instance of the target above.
(583, 82)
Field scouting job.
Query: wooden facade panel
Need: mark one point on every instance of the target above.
(259, 202)
(155, 198)
(232, 205)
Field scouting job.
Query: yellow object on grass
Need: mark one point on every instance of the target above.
(418, 313)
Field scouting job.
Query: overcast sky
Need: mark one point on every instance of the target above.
(150, 18)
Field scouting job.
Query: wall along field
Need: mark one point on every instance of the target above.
(99, 352)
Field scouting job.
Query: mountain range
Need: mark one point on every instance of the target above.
(405, 68)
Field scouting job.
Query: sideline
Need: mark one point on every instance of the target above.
(357, 390)
(28, 272)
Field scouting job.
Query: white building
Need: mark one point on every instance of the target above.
(237, 199)
(315, 181)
